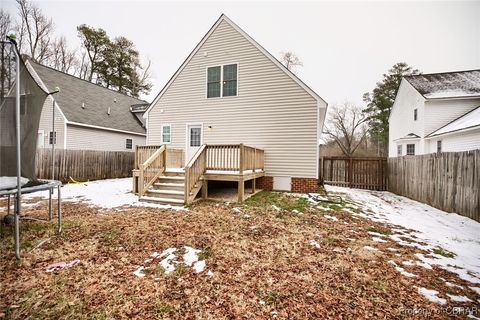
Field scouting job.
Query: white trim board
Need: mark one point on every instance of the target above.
(104, 128)
(223, 17)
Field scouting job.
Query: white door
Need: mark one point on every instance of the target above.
(194, 140)
(41, 139)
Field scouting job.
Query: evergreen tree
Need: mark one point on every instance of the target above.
(95, 42)
(380, 101)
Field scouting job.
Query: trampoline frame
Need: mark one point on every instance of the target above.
(46, 184)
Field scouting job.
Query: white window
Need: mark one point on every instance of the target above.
(195, 137)
(166, 133)
(399, 150)
(128, 143)
(439, 146)
(410, 149)
(222, 81)
(52, 138)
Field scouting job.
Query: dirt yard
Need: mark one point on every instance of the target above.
(275, 256)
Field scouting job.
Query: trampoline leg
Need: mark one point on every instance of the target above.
(59, 210)
(17, 228)
(50, 204)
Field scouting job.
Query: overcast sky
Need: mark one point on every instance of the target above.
(345, 46)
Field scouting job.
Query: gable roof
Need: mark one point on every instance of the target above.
(223, 17)
(458, 84)
(86, 103)
(469, 120)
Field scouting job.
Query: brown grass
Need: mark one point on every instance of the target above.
(263, 266)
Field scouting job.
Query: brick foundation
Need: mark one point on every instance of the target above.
(303, 185)
(265, 183)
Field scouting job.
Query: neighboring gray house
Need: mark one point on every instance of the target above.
(230, 90)
(87, 116)
(437, 112)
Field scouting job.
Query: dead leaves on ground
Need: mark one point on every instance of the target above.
(263, 265)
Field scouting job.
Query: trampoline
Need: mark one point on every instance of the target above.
(21, 104)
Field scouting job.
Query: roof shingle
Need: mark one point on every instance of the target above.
(87, 103)
(447, 84)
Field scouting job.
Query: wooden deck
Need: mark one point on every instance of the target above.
(157, 169)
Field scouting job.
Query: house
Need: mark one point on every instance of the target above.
(251, 117)
(87, 116)
(436, 112)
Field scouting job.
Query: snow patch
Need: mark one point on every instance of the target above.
(314, 244)
(458, 298)
(331, 217)
(432, 228)
(431, 295)
(105, 194)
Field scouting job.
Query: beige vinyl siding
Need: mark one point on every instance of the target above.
(270, 111)
(46, 124)
(84, 138)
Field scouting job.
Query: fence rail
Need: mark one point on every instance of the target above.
(362, 173)
(449, 181)
(83, 165)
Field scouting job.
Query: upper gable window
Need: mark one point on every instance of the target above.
(222, 81)
(230, 80)
(213, 82)
(415, 114)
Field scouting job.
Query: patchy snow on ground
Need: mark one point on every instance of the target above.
(314, 243)
(331, 217)
(170, 260)
(106, 194)
(437, 229)
(431, 295)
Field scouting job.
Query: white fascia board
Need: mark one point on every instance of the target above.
(105, 128)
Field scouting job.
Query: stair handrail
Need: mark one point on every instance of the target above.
(151, 169)
(194, 171)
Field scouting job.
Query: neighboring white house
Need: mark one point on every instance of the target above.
(87, 116)
(230, 90)
(436, 112)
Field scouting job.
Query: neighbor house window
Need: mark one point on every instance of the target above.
(128, 143)
(415, 114)
(166, 134)
(439, 146)
(52, 138)
(399, 150)
(222, 81)
(213, 82)
(230, 80)
(410, 149)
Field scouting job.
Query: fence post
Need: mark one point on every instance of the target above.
(350, 171)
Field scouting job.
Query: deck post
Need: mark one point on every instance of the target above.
(135, 158)
(242, 160)
(254, 159)
(254, 187)
(204, 189)
(241, 190)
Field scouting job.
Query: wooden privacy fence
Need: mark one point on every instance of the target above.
(362, 173)
(449, 181)
(84, 165)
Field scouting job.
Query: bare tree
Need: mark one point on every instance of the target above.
(34, 30)
(347, 126)
(290, 60)
(62, 58)
(140, 80)
(5, 24)
(83, 66)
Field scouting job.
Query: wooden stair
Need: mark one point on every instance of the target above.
(168, 189)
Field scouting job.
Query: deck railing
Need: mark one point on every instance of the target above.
(194, 170)
(142, 153)
(151, 169)
(234, 157)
